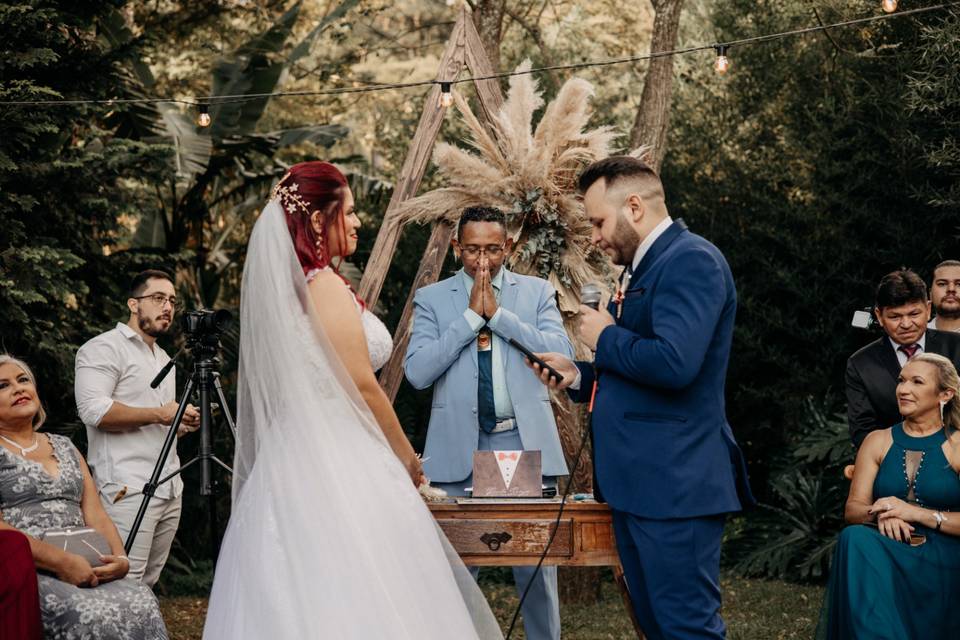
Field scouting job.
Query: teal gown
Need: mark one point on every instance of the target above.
(883, 589)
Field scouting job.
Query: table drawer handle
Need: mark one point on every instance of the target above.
(494, 540)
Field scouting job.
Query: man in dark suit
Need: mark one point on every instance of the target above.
(902, 310)
(666, 460)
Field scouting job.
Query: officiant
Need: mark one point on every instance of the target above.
(484, 397)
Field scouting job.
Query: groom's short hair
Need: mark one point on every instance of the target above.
(481, 214)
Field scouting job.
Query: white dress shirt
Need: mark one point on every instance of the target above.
(501, 392)
(118, 366)
(901, 356)
(933, 325)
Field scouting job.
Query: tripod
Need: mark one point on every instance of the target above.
(206, 378)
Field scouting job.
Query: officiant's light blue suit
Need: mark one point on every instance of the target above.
(443, 353)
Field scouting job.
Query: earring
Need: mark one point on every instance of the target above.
(319, 245)
(942, 405)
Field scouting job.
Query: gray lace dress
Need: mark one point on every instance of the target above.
(33, 501)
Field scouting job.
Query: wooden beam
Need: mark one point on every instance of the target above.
(392, 373)
(491, 100)
(421, 148)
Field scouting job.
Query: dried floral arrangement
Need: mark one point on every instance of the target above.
(530, 173)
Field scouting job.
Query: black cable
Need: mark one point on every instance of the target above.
(556, 523)
(235, 98)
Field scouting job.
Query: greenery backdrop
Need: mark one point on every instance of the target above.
(817, 164)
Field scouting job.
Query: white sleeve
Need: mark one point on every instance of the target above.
(97, 375)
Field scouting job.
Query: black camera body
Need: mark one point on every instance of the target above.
(202, 327)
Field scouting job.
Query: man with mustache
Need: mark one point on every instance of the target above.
(945, 295)
(127, 421)
(902, 310)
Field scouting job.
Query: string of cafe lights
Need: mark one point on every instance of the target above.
(721, 65)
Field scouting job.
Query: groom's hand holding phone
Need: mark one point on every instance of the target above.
(559, 363)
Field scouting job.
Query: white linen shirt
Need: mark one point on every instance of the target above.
(118, 366)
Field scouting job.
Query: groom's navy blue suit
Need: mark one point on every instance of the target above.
(666, 460)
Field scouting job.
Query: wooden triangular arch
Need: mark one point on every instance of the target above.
(464, 48)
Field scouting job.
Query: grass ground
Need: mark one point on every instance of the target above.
(753, 610)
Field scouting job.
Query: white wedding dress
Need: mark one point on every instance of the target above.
(328, 538)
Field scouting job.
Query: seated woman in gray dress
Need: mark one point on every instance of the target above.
(45, 485)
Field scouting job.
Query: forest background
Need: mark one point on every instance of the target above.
(817, 164)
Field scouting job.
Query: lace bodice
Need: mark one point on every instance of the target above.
(379, 340)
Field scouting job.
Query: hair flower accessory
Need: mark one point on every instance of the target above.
(289, 199)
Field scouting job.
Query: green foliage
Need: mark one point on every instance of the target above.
(811, 164)
(792, 535)
(62, 193)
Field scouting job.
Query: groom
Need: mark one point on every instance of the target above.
(484, 397)
(666, 459)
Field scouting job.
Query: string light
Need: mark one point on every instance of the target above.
(203, 115)
(446, 98)
(722, 63)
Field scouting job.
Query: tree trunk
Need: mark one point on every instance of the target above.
(653, 115)
(488, 19)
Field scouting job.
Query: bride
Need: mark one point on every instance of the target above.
(329, 537)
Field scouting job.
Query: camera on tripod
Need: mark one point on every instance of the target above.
(203, 327)
(863, 319)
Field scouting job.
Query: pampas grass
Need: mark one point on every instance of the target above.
(530, 173)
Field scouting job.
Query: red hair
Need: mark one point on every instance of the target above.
(321, 187)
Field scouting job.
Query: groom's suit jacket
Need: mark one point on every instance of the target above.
(663, 448)
(443, 353)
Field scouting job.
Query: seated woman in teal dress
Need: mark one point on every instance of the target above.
(896, 569)
(45, 485)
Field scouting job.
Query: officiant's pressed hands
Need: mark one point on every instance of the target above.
(483, 300)
(592, 324)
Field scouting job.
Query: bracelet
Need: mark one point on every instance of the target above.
(939, 518)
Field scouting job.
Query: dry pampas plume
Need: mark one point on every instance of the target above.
(529, 173)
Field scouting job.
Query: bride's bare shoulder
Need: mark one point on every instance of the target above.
(327, 288)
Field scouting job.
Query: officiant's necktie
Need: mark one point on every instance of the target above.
(486, 408)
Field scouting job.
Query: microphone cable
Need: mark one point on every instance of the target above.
(563, 502)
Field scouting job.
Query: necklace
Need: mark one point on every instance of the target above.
(25, 450)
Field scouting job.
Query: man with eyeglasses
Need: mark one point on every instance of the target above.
(484, 396)
(127, 421)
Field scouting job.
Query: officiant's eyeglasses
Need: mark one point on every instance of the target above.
(492, 250)
(159, 299)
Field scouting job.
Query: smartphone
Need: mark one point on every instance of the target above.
(532, 358)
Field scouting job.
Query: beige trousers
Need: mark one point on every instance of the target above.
(155, 536)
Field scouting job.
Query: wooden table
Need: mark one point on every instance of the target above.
(490, 532)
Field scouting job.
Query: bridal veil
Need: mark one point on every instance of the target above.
(328, 538)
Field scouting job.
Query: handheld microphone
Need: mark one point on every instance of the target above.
(166, 369)
(590, 295)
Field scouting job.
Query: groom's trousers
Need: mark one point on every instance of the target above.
(672, 569)
(541, 609)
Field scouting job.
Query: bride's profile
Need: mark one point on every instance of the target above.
(328, 536)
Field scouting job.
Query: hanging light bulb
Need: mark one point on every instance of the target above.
(446, 98)
(722, 63)
(889, 6)
(203, 115)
